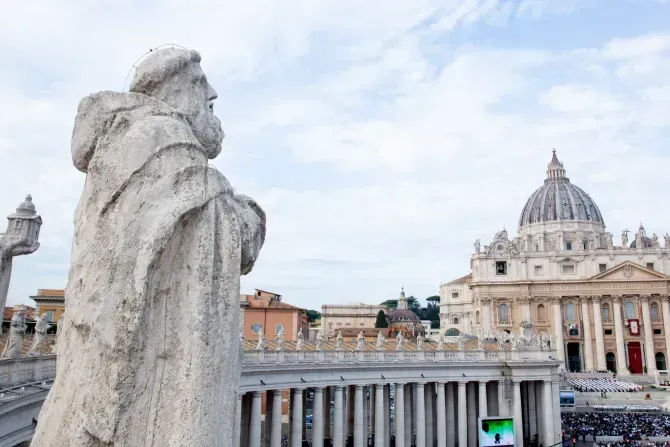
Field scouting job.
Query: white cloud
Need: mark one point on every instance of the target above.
(379, 144)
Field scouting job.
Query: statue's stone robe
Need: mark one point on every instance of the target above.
(149, 352)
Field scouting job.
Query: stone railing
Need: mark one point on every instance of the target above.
(26, 370)
(305, 357)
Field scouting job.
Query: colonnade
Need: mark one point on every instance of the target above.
(417, 414)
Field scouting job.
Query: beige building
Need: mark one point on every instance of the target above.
(349, 316)
(606, 305)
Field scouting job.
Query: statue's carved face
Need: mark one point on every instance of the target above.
(205, 125)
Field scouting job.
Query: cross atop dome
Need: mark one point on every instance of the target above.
(555, 170)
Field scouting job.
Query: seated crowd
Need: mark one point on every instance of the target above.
(631, 407)
(631, 443)
(603, 385)
(632, 426)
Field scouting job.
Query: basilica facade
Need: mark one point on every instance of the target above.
(605, 303)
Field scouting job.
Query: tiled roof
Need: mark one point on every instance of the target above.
(274, 304)
(389, 345)
(467, 279)
(50, 292)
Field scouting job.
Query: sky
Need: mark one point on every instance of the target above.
(382, 138)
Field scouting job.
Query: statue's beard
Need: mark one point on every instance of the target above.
(207, 129)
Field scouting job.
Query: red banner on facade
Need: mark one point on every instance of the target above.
(634, 327)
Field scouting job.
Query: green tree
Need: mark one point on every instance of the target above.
(381, 320)
(391, 304)
(435, 299)
(313, 315)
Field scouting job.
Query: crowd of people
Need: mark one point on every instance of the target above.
(603, 385)
(632, 426)
(631, 443)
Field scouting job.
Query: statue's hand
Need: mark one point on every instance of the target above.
(16, 247)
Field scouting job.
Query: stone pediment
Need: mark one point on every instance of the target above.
(629, 271)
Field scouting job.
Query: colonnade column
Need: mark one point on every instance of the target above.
(317, 419)
(540, 412)
(399, 406)
(483, 407)
(518, 421)
(555, 410)
(547, 412)
(428, 390)
(621, 368)
(472, 415)
(349, 415)
(338, 426)
(327, 432)
(588, 341)
(441, 417)
(275, 430)
(558, 329)
(379, 415)
(665, 305)
(238, 421)
(387, 415)
(462, 415)
(420, 416)
(255, 421)
(358, 416)
(451, 422)
(408, 416)
(297, 419)
(648, 336)
(600, 342)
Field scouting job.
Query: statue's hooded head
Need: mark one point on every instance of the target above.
(174, 76)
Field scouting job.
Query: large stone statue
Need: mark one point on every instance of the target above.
(399, 341)
(319, 339)
(262, 343)
(624, 238)
(361, 341)
(279, 340)
(21, 238)
(380, 341)
(149, 351)
(301, 341)
(17, 331)
(41, 327)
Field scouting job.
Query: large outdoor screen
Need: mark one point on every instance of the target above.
(567, 398)
(496, 432)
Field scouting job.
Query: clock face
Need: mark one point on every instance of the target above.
(500, 247)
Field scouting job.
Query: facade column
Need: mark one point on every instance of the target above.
(525, 308)
(338, 427)
(255, 422)
(588, 341)
(373, 410)
(297, 419)
(547, 412)
(558, 329)
(648, 336)
(600, 342)
(451, 422)
(539, 409)
(428, 390)
(518, 421)
(665, 304)
(358, 416)
(366, 414)
(399, 419)
(238, 421)
(462, 416)
(503, 408)
(532, 410)
(556, 413)
(621, 368)
(472, 415)
(408, 416)
(275, 430)
(317, 419)
(441, 417)
(420, 416)
(349, 415)
(483, 407)
(379, 415)
(486, 313)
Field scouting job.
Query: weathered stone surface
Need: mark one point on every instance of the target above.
(148, 354)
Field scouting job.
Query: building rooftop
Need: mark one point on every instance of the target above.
(467, 279)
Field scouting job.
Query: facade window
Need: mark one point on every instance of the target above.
(454, 294)
(606, 312)
(503, 314)
(501, 268)
(650, 265)
(654, 311)
(586, 245)
(278, 328)
(568, 269)
(477, 317)
(608, 331)
(455, 320)
(50, 315)
(658, 332)
(630, 310)
(568, 246)
(602, 267)
(570, 312)
(537, 247)
(255, 328)
(541, 313)
(538, 270)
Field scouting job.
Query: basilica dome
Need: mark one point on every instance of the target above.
(559, 200)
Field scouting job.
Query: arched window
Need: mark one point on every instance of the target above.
(503, 315)
(570, 312)
(255, 328)
(660, 361)
(654, 312)
(541, 313)
(455, 320)
(477, 317)
(630, 310)
(606, 312)
(452, 332)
